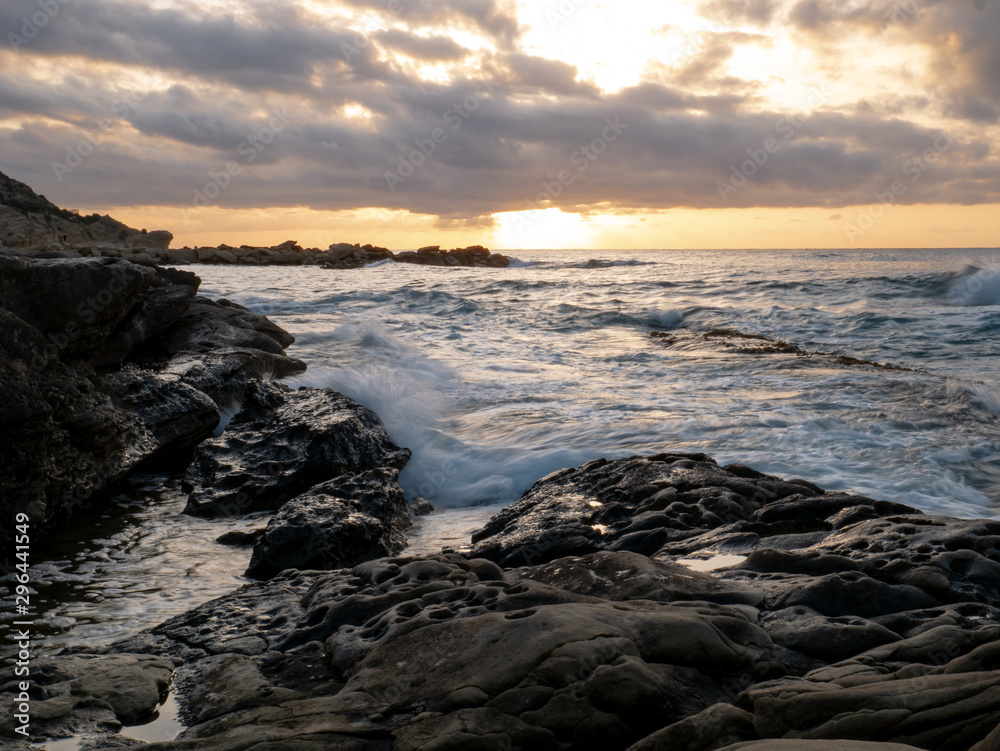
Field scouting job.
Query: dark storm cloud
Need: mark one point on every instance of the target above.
(269, 92)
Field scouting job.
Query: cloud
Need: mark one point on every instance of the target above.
(205, 88)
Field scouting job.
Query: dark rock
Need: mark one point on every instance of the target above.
(948, 708)
(604, 504)
(174, 413)
(74, 420)
(620, 575)
(77, 303)
(719, 725)
(281, 444)
(426, 651)
(227, 375)
(825, 638)
(337, 524)
(78, 694)
(62, 440)
(214, 325)
(238, 539)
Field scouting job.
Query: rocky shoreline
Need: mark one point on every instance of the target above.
(649, 603)
(31, 225)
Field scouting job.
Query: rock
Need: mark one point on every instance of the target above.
(182, 255)
(62, 440)
(799, 745)
(622, 575)
(107, 365)
(439, 652)
(77, 694)
(630, 504)
(719, 725)
(824, 638)
(216, 325)
(226, 375)
(338, 524)
(282, 443)
(949, 708)
(224, 256)
(174, 414)
(85, 299)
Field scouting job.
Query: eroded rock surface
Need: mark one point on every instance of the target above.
(850, 623)
(282, 443)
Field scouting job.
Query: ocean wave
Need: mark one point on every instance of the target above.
(601, 263)
(973, 286)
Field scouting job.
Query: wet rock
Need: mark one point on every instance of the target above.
(226, 376)
(443, 651)
(719, 725)
(281, 444)
(621, 575)
(77, 694)
(76, 303)
(825, 638)
(175, 414)
(337, 524)
(632, 504)
(800, 745)
(106, 365)
(62, 440)
(213, 325)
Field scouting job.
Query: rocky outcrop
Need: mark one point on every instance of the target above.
(475, 255)
(281, 444)
(107, 365)
(32, 223)
(844, 623)
(337, 256)
(337, 524)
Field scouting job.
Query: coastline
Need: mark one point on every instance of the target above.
(840, 602)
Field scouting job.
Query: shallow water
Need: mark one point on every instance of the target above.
(497, 377)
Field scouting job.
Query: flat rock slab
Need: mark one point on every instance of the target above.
(84, 694)
(282, 443)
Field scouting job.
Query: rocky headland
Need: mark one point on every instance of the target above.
(33, 225)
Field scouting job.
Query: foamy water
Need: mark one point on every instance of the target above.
(497, 377)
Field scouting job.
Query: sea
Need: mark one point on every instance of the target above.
(495, 378)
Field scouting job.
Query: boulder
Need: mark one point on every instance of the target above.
(337, 524)
(182, 255)
(281, 444)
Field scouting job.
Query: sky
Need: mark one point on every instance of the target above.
(527, 124)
